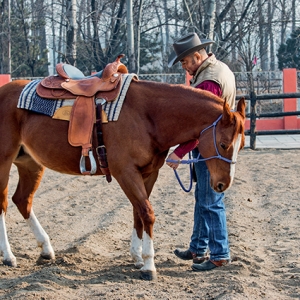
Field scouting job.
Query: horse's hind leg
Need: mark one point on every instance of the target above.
(30, 175)
(8, 258)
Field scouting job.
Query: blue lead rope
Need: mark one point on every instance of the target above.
(191, 176)
(198, 159)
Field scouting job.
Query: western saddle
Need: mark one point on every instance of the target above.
(70, 83)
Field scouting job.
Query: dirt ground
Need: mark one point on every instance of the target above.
(89, 222)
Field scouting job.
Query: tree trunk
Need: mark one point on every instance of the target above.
(54, 60)
(283, 23)
(130, 37)
(271, 35)
(262, 38)
(209, 19)
(139, 36)
(71, 32)
(294, 15)
(41, 33)
(61, 37)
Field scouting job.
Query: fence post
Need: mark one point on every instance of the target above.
(4, 78)
(290, 104)
(253, 120)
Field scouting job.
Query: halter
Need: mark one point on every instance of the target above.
(198, 159)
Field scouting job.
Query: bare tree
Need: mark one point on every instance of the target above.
(130, 36)
(138, 35)
(91, 33)
(71, 28)
(209, 19)
(4, 36)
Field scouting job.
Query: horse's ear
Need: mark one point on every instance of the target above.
(241, 107)
(227, 115)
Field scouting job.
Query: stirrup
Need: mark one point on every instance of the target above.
(93, 164)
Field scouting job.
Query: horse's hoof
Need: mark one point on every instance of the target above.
(139, 265)
(10, 263)
(47, 256)
(45, 259)
(148, 275)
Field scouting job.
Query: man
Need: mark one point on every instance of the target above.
(209, 247)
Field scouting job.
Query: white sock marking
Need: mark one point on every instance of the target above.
(40, 235)
(136, 249)
(148, 253)
(4, 244)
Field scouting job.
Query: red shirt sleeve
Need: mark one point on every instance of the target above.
(185, 148)
(211, 86)
(188, 146)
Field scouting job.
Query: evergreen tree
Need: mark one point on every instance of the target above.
(289, 53)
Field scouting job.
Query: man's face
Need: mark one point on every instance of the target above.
(191, 63)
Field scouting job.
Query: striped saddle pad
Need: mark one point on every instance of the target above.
(61, 108)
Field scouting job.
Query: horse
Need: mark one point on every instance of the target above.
(154, 117)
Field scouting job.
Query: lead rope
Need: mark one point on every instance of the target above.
(191, 178)
(198, 159)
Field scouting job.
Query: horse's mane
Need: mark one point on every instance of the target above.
(179, 89)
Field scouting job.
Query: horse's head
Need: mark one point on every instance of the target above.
(223, 140)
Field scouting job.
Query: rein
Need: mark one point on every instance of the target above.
(198, 159)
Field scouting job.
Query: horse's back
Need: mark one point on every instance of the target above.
(9, 94)
(13, 87)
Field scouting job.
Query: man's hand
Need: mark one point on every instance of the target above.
(173, 165)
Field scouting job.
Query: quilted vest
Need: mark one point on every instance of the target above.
(215, 70)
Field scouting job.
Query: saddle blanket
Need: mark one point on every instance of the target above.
(30, 100)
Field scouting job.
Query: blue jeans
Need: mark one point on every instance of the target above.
(210, 229)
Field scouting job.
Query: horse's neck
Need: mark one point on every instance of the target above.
(192, 119)
(179, 115)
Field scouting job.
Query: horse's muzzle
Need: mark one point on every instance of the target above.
(219, 187)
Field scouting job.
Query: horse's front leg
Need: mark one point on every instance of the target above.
(142, 249)
(144, 243)
(136, 240)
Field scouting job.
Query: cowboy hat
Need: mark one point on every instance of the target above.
(186, 45)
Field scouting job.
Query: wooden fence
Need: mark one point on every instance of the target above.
(253, 115)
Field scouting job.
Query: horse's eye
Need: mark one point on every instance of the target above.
(223, 146)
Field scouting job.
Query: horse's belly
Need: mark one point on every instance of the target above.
(46, 141)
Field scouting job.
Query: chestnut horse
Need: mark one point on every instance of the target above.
(154, 117)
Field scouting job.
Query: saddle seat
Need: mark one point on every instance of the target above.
(68, 71)
(70, 83)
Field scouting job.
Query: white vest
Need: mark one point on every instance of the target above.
(215, 70)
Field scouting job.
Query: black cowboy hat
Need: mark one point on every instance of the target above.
(187, 45)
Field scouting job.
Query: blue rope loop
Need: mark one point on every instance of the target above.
(191, 177)
(198, 159)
